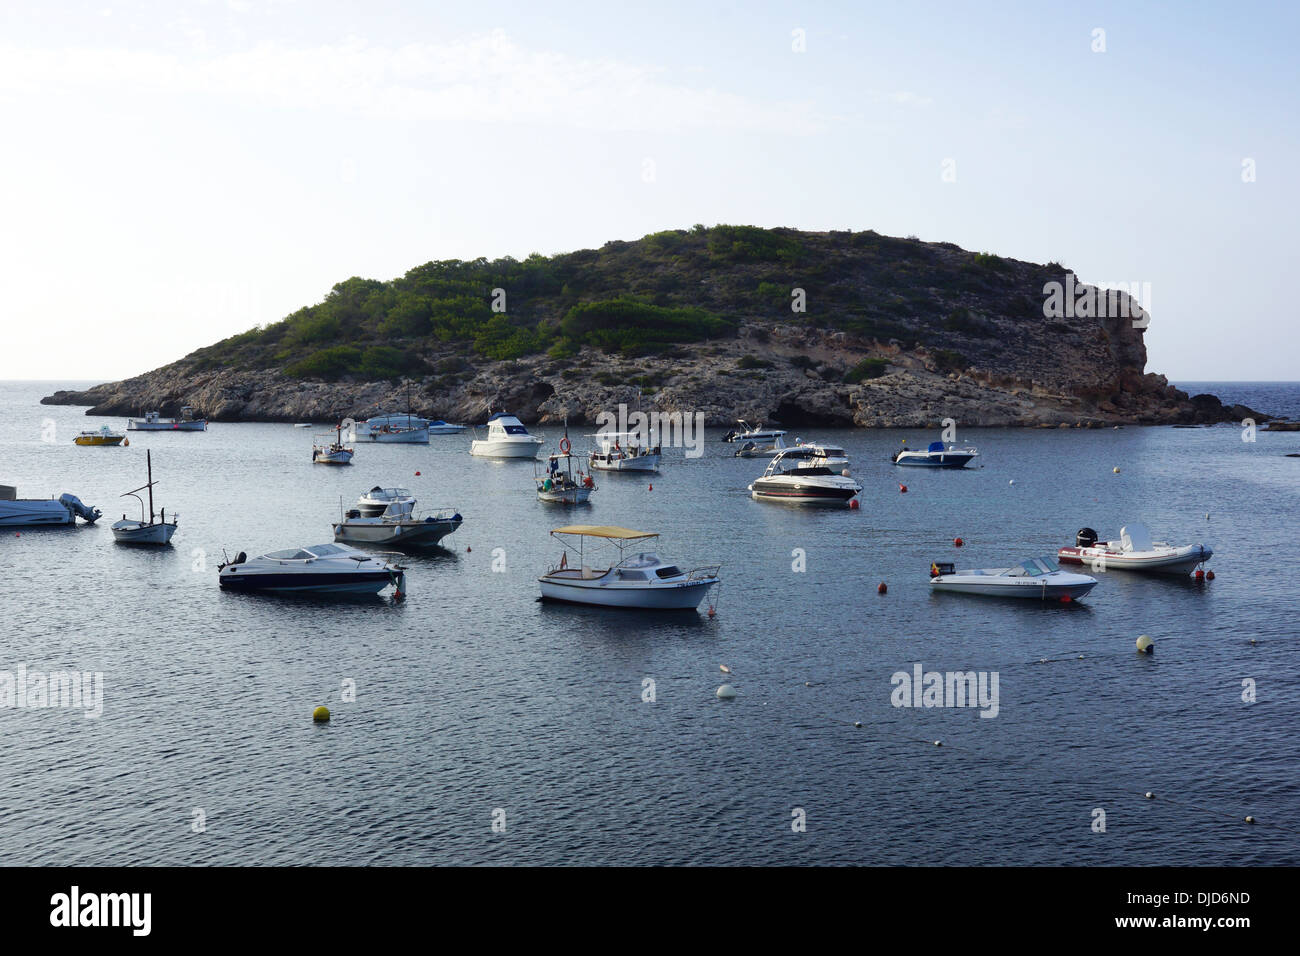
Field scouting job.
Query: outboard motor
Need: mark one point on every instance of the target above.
(73, 504)
(730, 436)
(1086, 538)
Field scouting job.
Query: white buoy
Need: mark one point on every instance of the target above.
(1146, 645)
(1150, 795)
(1012, 481)
(857, 723)
(1250, 819)
(938, 743)
(726, 692)
(1115, 469)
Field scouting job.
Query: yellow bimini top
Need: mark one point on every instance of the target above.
(605, 531)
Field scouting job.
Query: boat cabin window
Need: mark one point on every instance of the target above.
(291, 554)
(672, 571)
(514, 429)
(628, 575)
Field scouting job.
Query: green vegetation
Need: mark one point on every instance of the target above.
(749, 361)
(867, 368)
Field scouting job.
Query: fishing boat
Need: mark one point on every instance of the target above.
(506, 438)
(330, 449)
(938, 455)
(560, 484)
(153, 423)
(318, 569)
(792, 480)
(387, 516)
(18, 512)
(391, 429)
(103, 436)
(1036, 579)
(757, 433)
(153, 530)
(622, 451)
(637, 579)
(1134, 551)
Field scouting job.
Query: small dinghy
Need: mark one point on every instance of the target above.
(1134, 551)
(1037, 579)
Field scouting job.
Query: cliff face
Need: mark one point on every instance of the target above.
(894, 333)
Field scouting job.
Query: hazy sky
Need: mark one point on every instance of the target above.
(172, 173)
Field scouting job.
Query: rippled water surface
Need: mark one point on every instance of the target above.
(473, 696)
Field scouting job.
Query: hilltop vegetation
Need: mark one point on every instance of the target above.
(644, 298)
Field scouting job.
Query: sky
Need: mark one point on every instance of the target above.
(172, 173)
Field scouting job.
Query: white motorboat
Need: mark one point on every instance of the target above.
(18, 512)
(319, 568)
(938, 455)
(506, 438)
(153, 530)
(1134, 551)
(622, 451)
(390, 429)
(153, 423)
(331, 449)
(761, 449)
(789, 478)
(639, 579)
(821, 455)
(1036, 579)
(387, 516)
(439, 427)
(757, 434)
(560, 484)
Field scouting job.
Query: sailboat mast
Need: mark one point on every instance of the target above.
(148, 458)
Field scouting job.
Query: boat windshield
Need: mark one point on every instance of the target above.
(1034, 567)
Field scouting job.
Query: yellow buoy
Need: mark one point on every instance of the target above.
(1116, 470)
(320, 714)
(1250, 819)
(1146, 645)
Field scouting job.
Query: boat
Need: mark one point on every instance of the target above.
(302, 425)
(1134, 551)
(938, 455)
(144, 531)
(560, 485)
(622, 451)
(152, 423)
(388, 516)
(103, 436)
(761, 449)
(330, 449)
(821, 455)
(317, 568)
(1037, 579)
(757, 434)
(639, 579)
(390, 430)
(506, 438)
(18, 512)
(439, 427)
(789, 478)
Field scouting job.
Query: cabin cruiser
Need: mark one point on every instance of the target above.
(390, 429)
(18, 512)
(938, 455)
(330, 449)
(152, 423)
(791, 479)
(388, 516)
(506, 438)
(103, 436)
(318, 568)
(622, 451)
(639, 579)
(560, 484)
(757, 434)
(154, 530)
(1037, 578)
(761, 449)
(439, 427)
(1134, 551)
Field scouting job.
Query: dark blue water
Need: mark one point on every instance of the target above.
(472, 696)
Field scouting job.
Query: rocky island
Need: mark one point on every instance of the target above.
(774, 325)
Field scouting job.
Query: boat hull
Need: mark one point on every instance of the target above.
(482, 448)
(33, 513)
(1073, 590)
(133, 532)
(403, 534)
(99, 440)
(794, 495)
(333, 458)
(1175, 561)
(344, 582)
(670, 597)
(134, 426)
(925, 460)
(569, 496)
(415, 436)
(641, 463)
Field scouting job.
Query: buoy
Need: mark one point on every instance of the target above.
(468, 549)
(1066, 599)
(1209, 575)
(726, 692)
(1150, 795)
(807, 683)
(724, 668)
(1146, 645)
(320, 714)
(652, 487)
(958, 542)
(882, 587)
(903, 488)
(1200, 575)
(417, 474)
(938, 743)
(1115, 469)
(853, 504)
(857, 723)
(1012, 481)
(1250, 819)
(712, 611)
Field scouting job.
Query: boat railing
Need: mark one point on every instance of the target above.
(705, 571)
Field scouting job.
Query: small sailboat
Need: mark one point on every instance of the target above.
(102, 436)
(153, 530)
(330, 450)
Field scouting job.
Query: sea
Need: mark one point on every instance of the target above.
(473, 724)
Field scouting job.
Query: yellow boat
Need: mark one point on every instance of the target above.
(104, 436)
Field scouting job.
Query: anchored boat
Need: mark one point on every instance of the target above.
(756, 434)
(560, 484)
(387, 516)
(622, 451)
(1036, 579)
(639, 579)
(18, 512)
(506, 438)
(144, 531)
(318, 568)
(790, 478)
(938, 455)
(152, 423)
(103, 436)
(1134, 551)
(330, 449)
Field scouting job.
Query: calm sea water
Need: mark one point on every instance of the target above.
(473, 698)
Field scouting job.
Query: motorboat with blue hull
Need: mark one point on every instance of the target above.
(315, 569)
(1038, 579)
(18, 512)
(938, 455)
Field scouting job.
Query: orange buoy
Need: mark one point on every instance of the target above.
(881, 588)
(417, 474)
(467, 550)
(958, 542)
(1200, 575)
(1066, 599)
(652, 487)
(903, 489)
(1209, 575)
(853, 504)
(712, 611)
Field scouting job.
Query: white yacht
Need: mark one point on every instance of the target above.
(622, 451)
(506, 438)
(18, 512)
(318, 568)
(790, 479)
(640, 579)
(821, 455)
(387, 516)
(153, 529)
(757, 434)
(1036, 579)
